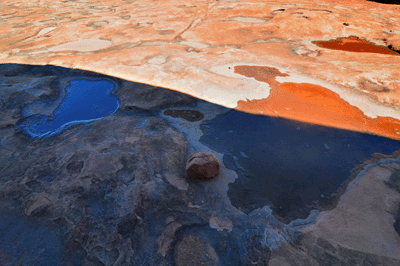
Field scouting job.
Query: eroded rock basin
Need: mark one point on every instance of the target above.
(113, 190)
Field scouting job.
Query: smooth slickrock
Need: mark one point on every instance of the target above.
(202, 166)
(349, 48)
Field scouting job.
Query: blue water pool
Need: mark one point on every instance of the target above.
(85, 101)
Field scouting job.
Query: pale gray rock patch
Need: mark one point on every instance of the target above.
(84, 45)
(248, 19)
(45, 31)
(361, 220)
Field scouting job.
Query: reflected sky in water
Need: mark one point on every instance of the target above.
(85, 101)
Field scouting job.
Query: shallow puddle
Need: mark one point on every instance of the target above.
(85, 101)
(355, 44)
(287, 164)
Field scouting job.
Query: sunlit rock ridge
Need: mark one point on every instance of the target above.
(326, 56)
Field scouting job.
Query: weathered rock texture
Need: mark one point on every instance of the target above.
(343, 52)
(114, 191)
(202, 166)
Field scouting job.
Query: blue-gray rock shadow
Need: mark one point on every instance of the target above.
(288, 165)
(26, 241)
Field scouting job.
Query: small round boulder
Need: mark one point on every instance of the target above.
(202, 166)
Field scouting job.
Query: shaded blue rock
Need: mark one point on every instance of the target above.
(106, 193)
(286, 168)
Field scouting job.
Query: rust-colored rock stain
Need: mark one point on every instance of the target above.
(355, 44)
(312, 104)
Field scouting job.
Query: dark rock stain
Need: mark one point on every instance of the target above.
(129, 163)
(188, 115)
(33, 184)
(371, 86)
(322, 10)
(277, 11)
(127, 225)
(394, 183)
(75, 167)
(46, 177)
(391, 48)
(388, 2)
(166, 32)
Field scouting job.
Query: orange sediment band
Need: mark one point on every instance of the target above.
(312, 104)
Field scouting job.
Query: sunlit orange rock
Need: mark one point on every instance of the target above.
(313, 104)
(337, 62)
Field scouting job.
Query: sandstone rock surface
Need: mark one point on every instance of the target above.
(347, 50)
(112, 191)
(202, 166)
